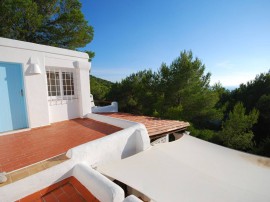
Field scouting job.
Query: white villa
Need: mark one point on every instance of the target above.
(42, 86)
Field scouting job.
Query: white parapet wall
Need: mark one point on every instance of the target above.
(36, 182)
(112, 121)
(132, 198)
(113, 107)
(109, 108)
(100, 186)
(129, 141)
(132, 139)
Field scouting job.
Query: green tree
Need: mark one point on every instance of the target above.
(136, 93)
(223, 95)
(56, 23)
(179, 91)
(185, 92)
(20, 19)
(254, 93)
(100, 88)
(236, 130)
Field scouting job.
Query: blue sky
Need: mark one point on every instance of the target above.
(232, 38)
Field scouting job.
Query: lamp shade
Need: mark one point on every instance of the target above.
(35, 69)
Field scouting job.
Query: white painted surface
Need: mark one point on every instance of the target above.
(132, 198)
(92, 100)
(36, 93)
(65, 110)
(190, 169)
(112, 121)
(119, 145)
(101, 187)
(83, 70)
(110, 108)
(42, 48)
(36, 182)
(114, 147)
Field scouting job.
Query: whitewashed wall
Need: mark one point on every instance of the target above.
(122, 144)
(132, 139)
(39, 112)
(100, 186)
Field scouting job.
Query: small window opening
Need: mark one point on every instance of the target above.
(61, 83)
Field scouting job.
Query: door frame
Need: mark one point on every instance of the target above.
(21, 67)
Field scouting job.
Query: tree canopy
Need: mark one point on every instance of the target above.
(237, 129)
(56, 23)
(185, 92)
(177, 91)
(237, 119)
(254, 94)
(99, 88)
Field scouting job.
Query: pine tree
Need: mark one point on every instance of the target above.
(57, 23)
(237, 129)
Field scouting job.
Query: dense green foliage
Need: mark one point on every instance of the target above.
(99, 88)
(179, 91)
(185, 91)
(136, 93)
(256, 94)
(236, 130)
(238, 119)
(56, 23)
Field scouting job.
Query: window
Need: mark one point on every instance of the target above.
(53, 81)
(68, 85)
(61, 84)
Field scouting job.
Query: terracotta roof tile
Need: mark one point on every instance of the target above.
(155, 126)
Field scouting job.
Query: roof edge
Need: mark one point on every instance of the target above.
(41, 48)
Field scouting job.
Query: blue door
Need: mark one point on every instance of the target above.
(12, 102)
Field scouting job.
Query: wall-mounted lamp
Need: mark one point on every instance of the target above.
(35, 69)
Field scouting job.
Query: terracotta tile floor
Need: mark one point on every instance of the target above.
(25, 148)
(35, 168)
(67, 192)
(69, 189)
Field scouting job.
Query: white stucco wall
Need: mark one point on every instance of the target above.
(132, 139)
(132, 198)
(67, 110)
(112, 120)
(100, 186)
(129, 141)
(39, 112)
(113, 107)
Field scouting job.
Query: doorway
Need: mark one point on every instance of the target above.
(13, 114)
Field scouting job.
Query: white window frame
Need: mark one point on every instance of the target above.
(62, 97)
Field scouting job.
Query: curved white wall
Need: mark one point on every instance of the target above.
(100, 186)
(131, 140)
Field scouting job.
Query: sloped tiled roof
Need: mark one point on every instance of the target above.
(155, 126)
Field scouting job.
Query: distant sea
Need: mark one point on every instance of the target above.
(231, 87)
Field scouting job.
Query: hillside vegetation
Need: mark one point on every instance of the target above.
(239, 119)
(99, 88)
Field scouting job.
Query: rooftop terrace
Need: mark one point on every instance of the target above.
(22, 149)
